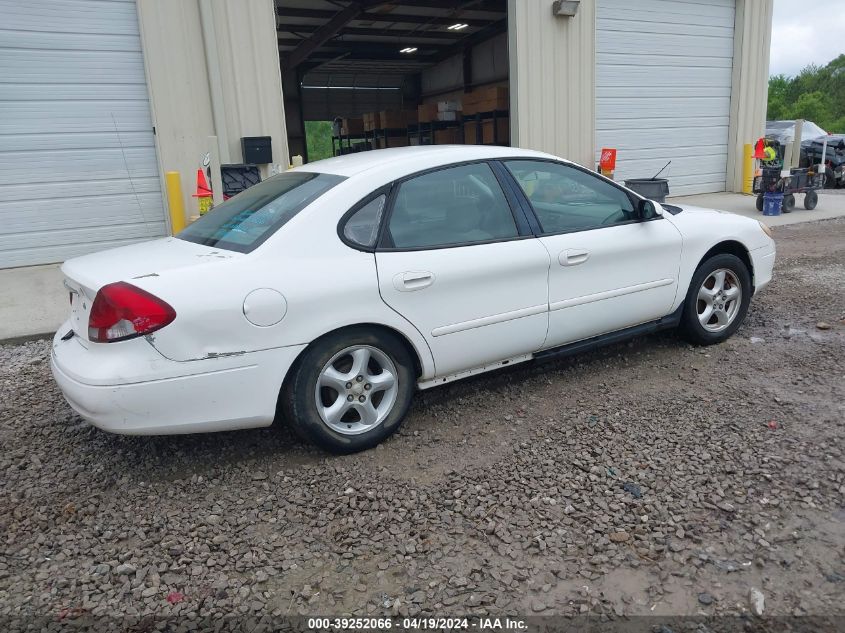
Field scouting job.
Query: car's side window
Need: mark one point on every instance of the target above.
(457, 205)
(566, 199)
(362, 226)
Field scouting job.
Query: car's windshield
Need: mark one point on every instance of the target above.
(243, 222)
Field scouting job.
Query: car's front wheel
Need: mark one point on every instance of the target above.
(350, 390)
(717, 300)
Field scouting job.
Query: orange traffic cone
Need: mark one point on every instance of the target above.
(203, 189)
(759, 149)
(203, 193)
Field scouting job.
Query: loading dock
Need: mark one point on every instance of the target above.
(385, 68)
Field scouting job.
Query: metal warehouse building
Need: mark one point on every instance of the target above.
(100, 98)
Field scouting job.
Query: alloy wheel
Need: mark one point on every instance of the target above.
(356, 390)
(719, 300)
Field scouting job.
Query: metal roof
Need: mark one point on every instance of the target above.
(364, 38)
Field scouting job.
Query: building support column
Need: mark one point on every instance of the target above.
(750, 84)
(212, 69)
(553, 79)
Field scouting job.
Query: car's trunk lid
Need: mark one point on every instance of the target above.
(84, 276)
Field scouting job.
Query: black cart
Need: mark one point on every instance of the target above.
(799, 180)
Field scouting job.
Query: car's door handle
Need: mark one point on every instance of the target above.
(413, 280)
(573, 257)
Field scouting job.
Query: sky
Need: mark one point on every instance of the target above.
(806, 32)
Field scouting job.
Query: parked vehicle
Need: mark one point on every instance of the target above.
(326, 295)
(834, 158)
(784, 131)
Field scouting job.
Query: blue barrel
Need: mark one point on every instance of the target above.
(772, 203)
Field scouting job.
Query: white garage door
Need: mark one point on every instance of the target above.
(663, 89)
(78, 169)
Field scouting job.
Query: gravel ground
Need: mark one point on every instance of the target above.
(647, 478)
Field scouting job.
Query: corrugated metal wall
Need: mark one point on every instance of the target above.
(552, 75)
(249, 98)
(489, 65)
(750, 91)
(77, 155)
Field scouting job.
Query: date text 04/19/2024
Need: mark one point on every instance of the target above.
(417, 624)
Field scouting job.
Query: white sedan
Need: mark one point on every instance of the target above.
(325, 296)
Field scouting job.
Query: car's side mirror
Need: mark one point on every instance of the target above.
(648, 210)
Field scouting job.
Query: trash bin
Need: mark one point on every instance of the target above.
(772, 202)
(652, 188)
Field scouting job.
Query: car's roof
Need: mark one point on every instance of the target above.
(412, 158)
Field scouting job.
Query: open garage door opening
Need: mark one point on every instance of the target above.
(359, 76)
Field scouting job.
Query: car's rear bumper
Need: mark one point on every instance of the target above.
(142, 393)
(763, 261)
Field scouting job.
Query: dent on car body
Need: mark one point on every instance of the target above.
(150, 338)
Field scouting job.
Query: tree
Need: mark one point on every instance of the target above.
(813, 106)
(318, 136)
(817, 94)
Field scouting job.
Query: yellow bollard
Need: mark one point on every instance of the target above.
(748, 168)
(175, 201)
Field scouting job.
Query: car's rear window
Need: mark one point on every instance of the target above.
(243, 222)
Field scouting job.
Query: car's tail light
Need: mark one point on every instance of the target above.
(121, 311)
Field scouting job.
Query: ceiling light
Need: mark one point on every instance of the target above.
(410, 49)
(457, 27)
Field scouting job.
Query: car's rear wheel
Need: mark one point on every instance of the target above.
(717, 301)
(350, 390)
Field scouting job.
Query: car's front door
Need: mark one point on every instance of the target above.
(609, 269)
(458, 263)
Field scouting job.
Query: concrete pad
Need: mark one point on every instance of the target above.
(33, 301)
(831, 205)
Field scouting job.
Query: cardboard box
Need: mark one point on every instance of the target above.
(369, 121)
(486, 100)
(396, 119)
(452, 105)
(427, 112)
(391, 141)
(502, 131)
(450, 136)
(449, 115)
(352, 126)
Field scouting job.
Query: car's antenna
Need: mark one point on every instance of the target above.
(129, 175)
(661, 171)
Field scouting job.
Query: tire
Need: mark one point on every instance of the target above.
(829, 179)
(349, 432)
(760, 203)
(692, 327)
(811, 199)
(788, 203)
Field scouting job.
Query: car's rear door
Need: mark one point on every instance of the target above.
(609, 269)
(459, 262)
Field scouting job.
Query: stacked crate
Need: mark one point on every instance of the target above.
(487, 109)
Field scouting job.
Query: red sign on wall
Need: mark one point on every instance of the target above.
(608, 159)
